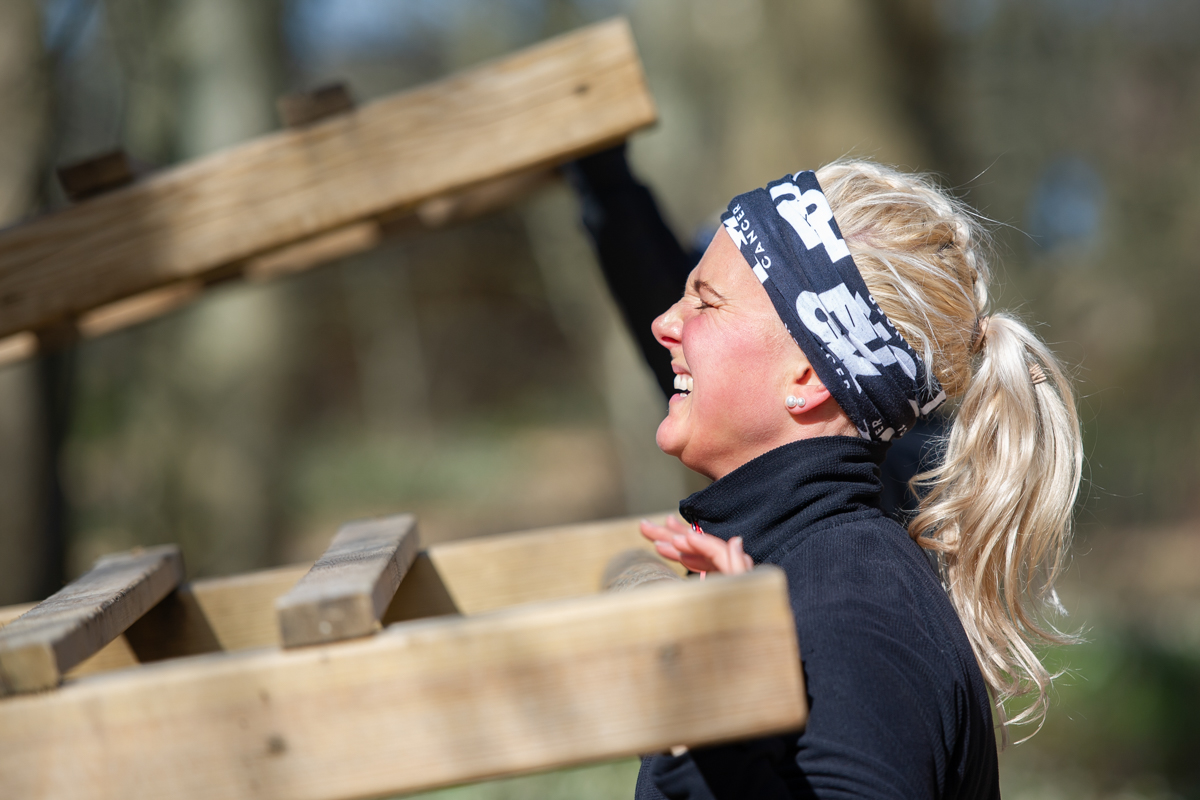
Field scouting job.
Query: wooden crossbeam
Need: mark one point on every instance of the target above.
(634, 568)
(41, 645)
(551, 563)
(542, 106)
(346, 592)
(472, 576)
(425, 703)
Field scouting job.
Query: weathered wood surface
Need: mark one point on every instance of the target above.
(565, 561)
(425, 703)
(539, 107)
(472, 576)
(347, 591)
(40, 646)
(633, 568)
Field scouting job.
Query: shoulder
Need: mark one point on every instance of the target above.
(893, 684)
(865, 590)
(869, 561)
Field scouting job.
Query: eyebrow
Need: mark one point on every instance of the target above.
(698, 284)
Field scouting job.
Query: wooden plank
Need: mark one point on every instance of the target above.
(139, 308)
(483, 198)
(542, 106)
(215, 615)
(77, 621)
(634, 568)
(347, 591)
(424, 704)
(321, 249)
(305, 108)
(565, 561)
(472, 576)
(96, 175)
(17, 347)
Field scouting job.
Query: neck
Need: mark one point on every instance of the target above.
(776, 499)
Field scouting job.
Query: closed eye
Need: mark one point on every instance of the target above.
(701, 287)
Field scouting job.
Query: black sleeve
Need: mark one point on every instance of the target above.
(644, 264)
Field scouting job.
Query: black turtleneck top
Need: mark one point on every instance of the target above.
(897, 705)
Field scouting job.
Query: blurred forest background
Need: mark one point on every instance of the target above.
(480, 376)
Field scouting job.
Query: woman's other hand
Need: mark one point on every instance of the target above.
(696, 550)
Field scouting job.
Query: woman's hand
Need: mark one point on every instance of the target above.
(696, 550)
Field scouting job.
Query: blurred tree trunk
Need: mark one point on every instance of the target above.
(27, 571)
(207, 440)
(234, 348)
(918, 48)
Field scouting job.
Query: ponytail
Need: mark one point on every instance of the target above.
(997, 510)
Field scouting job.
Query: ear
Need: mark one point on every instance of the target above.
(806, 386)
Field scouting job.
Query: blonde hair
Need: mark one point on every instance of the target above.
(997, 510)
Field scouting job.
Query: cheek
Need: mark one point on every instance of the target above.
(734, 373)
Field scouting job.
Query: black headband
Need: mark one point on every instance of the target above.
(788, 236)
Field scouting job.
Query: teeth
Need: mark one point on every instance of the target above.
(683, 383)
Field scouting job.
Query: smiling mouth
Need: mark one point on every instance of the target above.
(684, 384)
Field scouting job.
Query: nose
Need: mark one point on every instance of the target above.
(668, 326)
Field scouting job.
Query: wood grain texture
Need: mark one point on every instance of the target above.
(424, 704)
(346, 592)
(471, 576)
(565, 561)
(541, 106)
(634, 568)
(37, 648)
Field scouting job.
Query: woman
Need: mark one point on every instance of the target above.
(803, 346)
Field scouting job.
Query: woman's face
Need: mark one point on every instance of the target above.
(734, 362)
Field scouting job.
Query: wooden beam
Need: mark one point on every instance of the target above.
(634, 568)
(424, 704)
(542, 106)
(305, 108)
(76, 622)
(471, 576)
(321, 249)
(96, 175)
(18, 347)
(346, 592)
(138, 308)
(492, 572)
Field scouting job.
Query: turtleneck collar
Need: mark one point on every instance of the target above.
(774, 501)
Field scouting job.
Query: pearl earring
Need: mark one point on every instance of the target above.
(794, 402)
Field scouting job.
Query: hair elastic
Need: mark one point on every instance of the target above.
(981, 329)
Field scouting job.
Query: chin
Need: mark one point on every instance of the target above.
(666, 441)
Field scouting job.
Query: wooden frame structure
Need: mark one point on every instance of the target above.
(381, 668)
(320, 190)
(506, 659)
